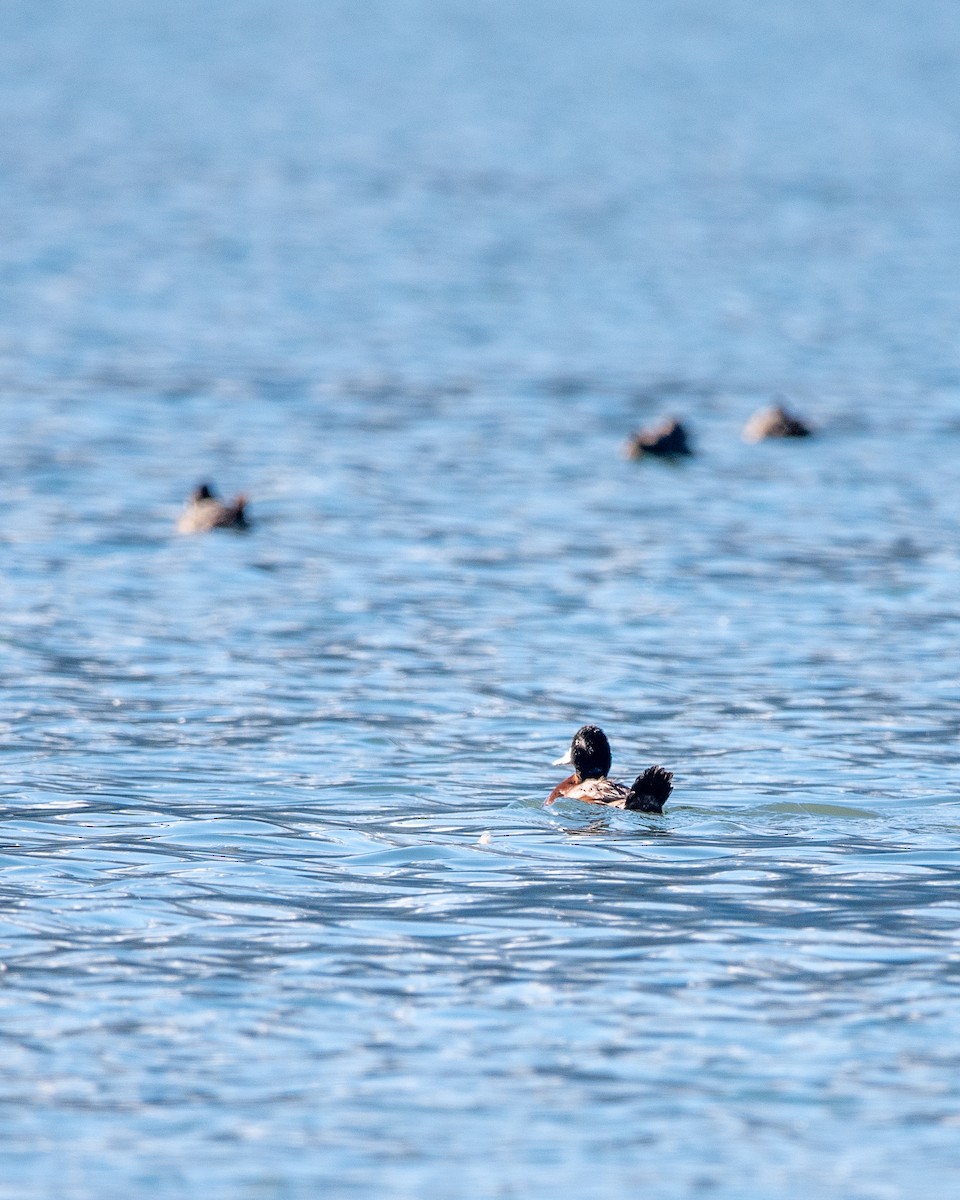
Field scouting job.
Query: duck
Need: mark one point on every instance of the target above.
(669, 439)
(590, 756)
(204, 511)
(774, 422)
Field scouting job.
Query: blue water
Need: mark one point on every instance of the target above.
(283, 914)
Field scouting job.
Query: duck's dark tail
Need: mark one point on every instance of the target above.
(238, 513)
(650, 790)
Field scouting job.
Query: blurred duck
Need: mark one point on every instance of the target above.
(203, 511)
(669, 439)
(589, 754)
(774, 422)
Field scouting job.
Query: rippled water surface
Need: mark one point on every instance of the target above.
(283, 914)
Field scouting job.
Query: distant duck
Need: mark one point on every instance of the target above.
(774, 422)
(589, 754)
(203, 511)
(669, 439)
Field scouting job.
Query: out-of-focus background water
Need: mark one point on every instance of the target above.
(281, 912)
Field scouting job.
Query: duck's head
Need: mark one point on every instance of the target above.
(202, 491)
(589, 754)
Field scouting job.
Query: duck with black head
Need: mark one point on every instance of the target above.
(775, 422)
(204, 511)
(590, 757)
(669, 440)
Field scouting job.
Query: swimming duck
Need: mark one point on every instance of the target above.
(203, 511)
(669, 439)
(774, 422)
(590, 757)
